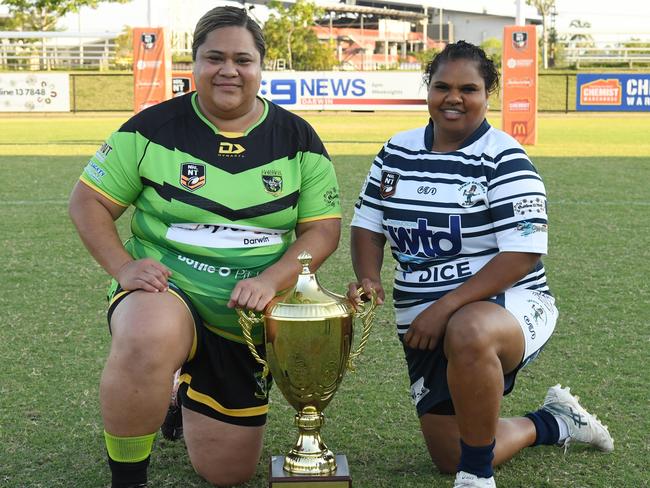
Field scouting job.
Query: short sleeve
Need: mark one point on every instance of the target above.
(319, 189)
(113, 169)
(517, 200)
(368, 211)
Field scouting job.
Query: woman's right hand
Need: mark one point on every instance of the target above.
(143, 274)
(367, 285)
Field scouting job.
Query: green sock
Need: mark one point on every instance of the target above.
(129, 449)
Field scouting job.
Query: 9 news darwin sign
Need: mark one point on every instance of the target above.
(345, 90)
(607, 92)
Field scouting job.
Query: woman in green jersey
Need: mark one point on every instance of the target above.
(228, 189)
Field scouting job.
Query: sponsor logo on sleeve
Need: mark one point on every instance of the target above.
(529, 205)
(529, 228)
(103, 152)
(95, 172)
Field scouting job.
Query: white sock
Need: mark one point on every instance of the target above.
(564, 428)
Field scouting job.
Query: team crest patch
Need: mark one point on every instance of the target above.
(272, 181)
(331, 197)
(469, 193)
(519, 40)
(262, 386)
(388, 185)
(418, 391)
(538, 313)
(192, 176)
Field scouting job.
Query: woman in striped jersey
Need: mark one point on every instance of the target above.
(463, 210)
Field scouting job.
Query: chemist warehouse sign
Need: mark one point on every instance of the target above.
(613, 92)
(347, 90)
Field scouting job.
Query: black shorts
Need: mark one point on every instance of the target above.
(220, 379)
(428, 374)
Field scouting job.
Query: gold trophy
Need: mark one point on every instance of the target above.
(308, 337)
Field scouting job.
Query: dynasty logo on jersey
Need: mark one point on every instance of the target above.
(192, 176)
(229, 149)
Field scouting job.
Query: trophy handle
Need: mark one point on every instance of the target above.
(366, 315)
(246, 322)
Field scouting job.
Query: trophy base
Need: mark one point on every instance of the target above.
(279, 478)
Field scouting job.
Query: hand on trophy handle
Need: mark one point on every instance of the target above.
(357, 291)
(365, 312)
(246, 321)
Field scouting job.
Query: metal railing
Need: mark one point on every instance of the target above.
(56, 50)
(583, 56)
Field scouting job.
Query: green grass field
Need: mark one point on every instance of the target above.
(53, 334)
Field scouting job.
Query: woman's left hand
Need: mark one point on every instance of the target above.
(252, 294)
(428, 328)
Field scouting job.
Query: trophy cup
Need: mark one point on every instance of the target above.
(308, 337)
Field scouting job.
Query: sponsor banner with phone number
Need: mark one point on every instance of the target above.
(613, 92)
(34, 92)
(346, 90)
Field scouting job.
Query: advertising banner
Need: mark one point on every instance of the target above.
(332, 90)
(519, 80)
(345, 90)
(608, 92)
(34, 92)
(152, 67)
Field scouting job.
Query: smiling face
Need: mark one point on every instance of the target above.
(457, 101)
(228, 73)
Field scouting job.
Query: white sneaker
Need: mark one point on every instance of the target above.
(583, 427)
(468, 480)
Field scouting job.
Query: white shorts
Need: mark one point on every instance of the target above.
(536, 314)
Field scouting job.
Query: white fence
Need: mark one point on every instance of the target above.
(42, 51)
(583, 47)
(57, 50)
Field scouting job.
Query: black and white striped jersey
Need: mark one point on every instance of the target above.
(445, 215)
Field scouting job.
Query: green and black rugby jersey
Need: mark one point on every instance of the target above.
(214, 207)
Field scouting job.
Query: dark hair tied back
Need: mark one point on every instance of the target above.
(465, 50)
(227, 16)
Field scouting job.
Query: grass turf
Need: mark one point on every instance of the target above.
(53, 337)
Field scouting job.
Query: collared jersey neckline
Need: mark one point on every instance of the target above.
(473, 137)
(195, 105)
